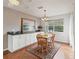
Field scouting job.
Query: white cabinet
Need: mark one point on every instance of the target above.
(27, 40)
(10, 43)
(16, 42)
(13, 43)
(33, 38)
(21, 41)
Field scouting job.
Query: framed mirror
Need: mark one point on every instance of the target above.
(27, 25)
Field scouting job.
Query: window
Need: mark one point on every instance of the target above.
(55, 25)
(58, 28)
(50, 28)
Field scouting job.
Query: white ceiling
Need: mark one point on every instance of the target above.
(53, 7)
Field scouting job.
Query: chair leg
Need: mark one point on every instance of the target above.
(42, 49)
(53, 45)
(46, 49)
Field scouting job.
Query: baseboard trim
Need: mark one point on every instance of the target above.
(62, 42)
(5, 49)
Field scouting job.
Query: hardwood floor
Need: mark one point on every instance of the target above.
(67, 51)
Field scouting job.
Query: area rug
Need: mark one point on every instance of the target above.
(45, 55)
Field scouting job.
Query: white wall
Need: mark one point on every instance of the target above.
(12, 21)
(62, 36)
(71, 31)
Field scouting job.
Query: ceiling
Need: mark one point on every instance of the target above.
(37, 7)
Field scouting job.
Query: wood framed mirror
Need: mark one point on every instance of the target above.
(27, 25)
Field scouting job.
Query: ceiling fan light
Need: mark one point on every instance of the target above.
(17, 3)
(14, 2)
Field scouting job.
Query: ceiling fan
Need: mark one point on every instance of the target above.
(14, 2)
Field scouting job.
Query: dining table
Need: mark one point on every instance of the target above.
(47, 37)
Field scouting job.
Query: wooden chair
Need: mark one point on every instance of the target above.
(42, 42)
(53, 38)
(51, 42)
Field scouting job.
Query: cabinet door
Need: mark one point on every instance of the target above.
(27, 40)
(10, 43)
(33, 38)
(22, 41)
(15, 43)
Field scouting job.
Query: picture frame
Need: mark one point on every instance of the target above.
(27, 25)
